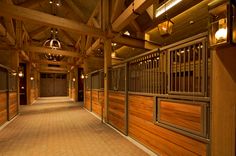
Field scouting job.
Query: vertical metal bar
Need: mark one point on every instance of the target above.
(184, 80)
(194, 49)
(199, 67)
(175, 65)
(126, 98)
(180, 64)
(189, 62)
(156, 75)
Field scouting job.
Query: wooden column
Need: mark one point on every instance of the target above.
(223, 102)
(107, 54)
(107, 63)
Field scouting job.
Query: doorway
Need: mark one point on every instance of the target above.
(53, 84)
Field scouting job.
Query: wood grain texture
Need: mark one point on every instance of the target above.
(3, 107)
(182, 115)
(158, 139)
(87, 103)
(12, 105)
(32, 95)
(96, 107)
(116, 110)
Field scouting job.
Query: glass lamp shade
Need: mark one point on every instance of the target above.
(165, 28)
(222, 23)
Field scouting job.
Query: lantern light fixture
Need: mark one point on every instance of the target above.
(31, 78)
(222, 30)
(165, 28)
(21, 74)
(82, 76)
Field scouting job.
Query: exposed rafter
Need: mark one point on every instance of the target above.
(37, 31)
(94, 46)
(52, 62)
(9, 38)
(32, 3)
(78, 12)
(53, 68)
(51, 51)
(137, 7)
(67, 35)
(117, 9)
(47, 19)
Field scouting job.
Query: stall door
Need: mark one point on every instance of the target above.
(52, 84)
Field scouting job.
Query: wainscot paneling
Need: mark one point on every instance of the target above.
(87, 102)
(116, 110)
(96, 106)
(185, 115)
(3, 107)
(160, 140)
(12, 105)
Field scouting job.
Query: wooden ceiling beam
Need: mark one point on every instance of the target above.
(67, 35)
(53, 68)
(136, 43)
(117, 9)
(37, 31)
(9, 38)
(51, 51)
(49, 71)
(52, 62)
(137, 7)
(94, 46)
(31, 3)
(47, 19)
(74, 7)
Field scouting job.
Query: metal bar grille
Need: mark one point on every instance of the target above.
(187, 68)
(148, 74)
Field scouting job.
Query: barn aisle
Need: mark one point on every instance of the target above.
(61, 129)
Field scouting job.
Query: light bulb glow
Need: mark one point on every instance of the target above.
(73, 79)
(21, 74)
(221, 34)
(31, 78)
(169, 4)
(82, 76)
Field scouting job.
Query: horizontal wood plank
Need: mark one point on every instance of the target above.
(12, 104)
(116, 110)
(3, 107)
(87, 103)
(183, 115)
(96, 106)
(159, 139)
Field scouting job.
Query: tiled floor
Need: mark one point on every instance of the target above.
(61, 129)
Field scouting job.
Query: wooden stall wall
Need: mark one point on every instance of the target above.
(3, 107)
(155, 137)
(87, 102)
(96, 106)
(116, 110)
(13, 106)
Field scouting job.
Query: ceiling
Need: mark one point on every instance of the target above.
(88, 14)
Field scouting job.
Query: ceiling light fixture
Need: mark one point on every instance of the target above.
(166, 6)
(53, 43)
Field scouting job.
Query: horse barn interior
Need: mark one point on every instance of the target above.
(118, 77)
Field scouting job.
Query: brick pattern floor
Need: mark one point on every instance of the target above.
(62, 129)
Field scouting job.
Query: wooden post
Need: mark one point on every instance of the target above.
(107, 63)
(107, 54)
(223, 102)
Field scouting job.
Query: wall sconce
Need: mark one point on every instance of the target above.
(165, 28)
(73, 79)
(82, 76)
(222, 23)
(31, 78)
(21, 74)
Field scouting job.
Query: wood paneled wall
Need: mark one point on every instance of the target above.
(87, 100)
(13, 105)
(3, 107)
(116, 110)
(32, 95)
(158, 139)
(183, 115)
(96, 106)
